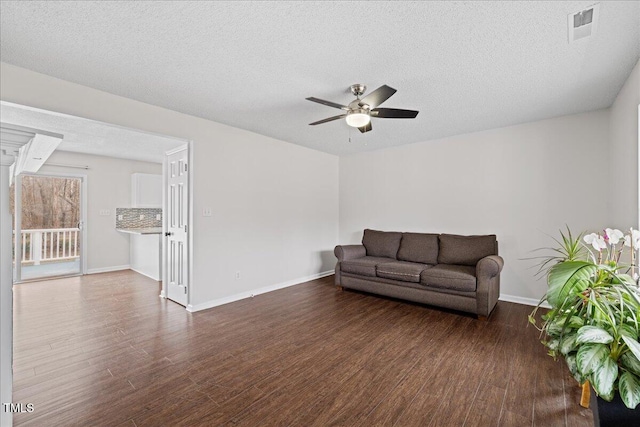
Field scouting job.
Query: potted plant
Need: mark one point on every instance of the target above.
(594, 316)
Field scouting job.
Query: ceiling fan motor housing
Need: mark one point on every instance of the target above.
(358, 89)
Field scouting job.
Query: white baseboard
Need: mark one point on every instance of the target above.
(522, 300)
(157, 279)
(249, 294)
(108, 269)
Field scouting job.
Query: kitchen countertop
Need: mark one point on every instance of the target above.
(149, 230)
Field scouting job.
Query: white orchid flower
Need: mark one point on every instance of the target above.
(596, 241)
(613, 236)
(633, 237)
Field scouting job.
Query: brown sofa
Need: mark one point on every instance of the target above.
(445, 270)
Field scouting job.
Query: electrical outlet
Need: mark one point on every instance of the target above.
(237, 274)
(206, 212)
(105, 212)
(120, 217)
(158, 217)
(141, 216)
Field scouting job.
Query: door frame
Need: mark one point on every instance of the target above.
(18, 220)
(190, 225)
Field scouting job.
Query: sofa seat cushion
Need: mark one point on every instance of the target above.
(400, 270)
(448, 276)
(365, 266)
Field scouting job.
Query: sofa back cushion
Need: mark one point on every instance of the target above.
(466, 250)
(381, 243)
(419, 247)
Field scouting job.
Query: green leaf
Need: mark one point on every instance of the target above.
(556, 326)
(628, 331)
(630, 363)
(575, 322)
(568, 277)
(568, 344)
(629, 387)
(590, 357)
(604, 377)
(552, 344)
(573, 368)
(593, 334)
(633, 345)
(626, 279)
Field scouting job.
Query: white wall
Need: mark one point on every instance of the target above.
(623, 160)
(275, 204)
(6, 298)
(108, 188)
(275, 212)
(518, 182)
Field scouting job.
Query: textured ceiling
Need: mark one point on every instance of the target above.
(90, 137)
(467, 66)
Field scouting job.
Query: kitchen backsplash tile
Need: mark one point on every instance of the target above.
(138, 217)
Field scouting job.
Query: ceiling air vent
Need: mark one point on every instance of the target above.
(583, 24)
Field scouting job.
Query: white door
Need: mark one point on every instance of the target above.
(176, 278)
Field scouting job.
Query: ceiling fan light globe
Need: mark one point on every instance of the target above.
(358, 118)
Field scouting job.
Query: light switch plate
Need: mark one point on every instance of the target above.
(141, 216)
(120, 217)
(206, 212)
(105, 212)
(158, 217)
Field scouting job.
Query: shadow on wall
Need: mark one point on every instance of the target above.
(327, 260)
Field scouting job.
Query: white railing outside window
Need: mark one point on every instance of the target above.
(51, 244)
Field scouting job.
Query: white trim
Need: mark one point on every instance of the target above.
(192, 224)
(91, 121)
(17, 227)
(145, 274)
(522, 300)
(108, 269)
(6, 299)
(178, 149)
(254, 292)
(84, 195)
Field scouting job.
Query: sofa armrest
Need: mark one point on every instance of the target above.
(345, 252)
(488, 291)
(489, 266)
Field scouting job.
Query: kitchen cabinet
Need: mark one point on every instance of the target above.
(145, 254)
(146, 190)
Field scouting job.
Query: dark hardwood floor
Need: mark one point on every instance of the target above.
(105, 350)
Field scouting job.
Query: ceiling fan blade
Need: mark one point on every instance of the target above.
(330, 119)
(394, 113)
(377, 97)
(365, 128)
(329, 103)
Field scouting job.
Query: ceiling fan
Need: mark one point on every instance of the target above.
(359, 112)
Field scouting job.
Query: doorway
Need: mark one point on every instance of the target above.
(49, 218)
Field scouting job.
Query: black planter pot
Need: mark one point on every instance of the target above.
(614, 413)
